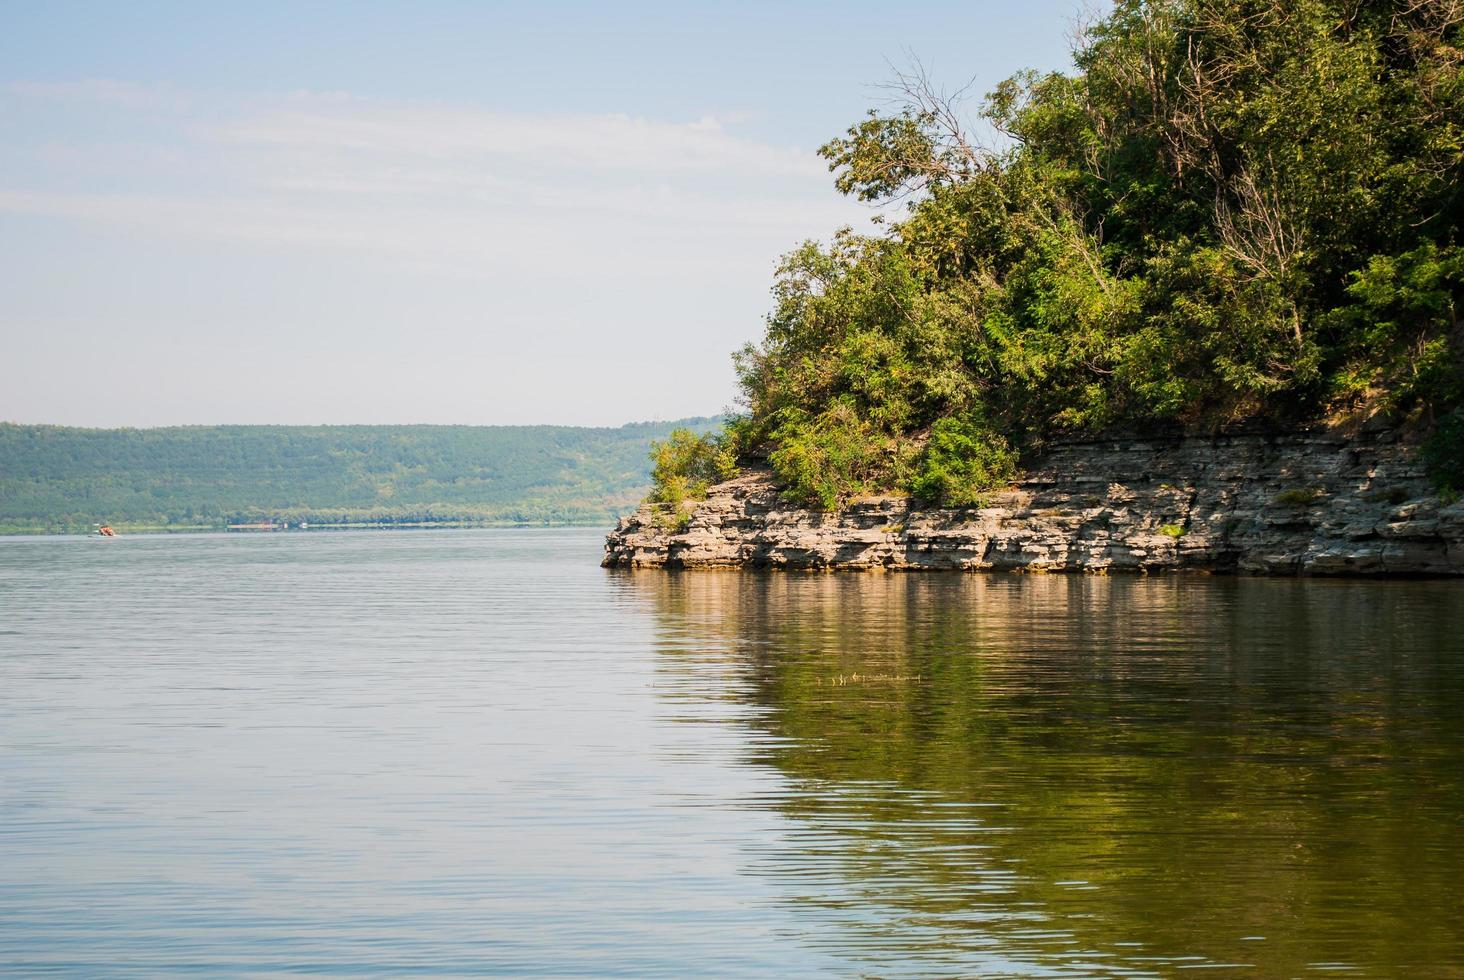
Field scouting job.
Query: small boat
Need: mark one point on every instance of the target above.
(105, 530)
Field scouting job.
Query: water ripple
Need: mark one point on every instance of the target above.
(470, 752)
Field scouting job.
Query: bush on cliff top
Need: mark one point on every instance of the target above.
(686, 465)
(962, 463)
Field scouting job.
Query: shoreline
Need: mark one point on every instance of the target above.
(1309, 503)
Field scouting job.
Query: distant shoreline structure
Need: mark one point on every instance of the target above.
(265, 527)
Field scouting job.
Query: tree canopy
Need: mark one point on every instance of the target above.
(1231, 210)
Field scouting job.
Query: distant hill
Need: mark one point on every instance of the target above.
(55, 478)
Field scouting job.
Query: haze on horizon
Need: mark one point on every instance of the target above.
(447, 213)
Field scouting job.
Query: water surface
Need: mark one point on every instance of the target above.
(472, 752)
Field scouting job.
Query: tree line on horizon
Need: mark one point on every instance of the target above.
(57, 478)
(1230, 211)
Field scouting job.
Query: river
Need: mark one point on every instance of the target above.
(476, 752)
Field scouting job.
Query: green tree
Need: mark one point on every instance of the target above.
(686, 463)
(1231, 209)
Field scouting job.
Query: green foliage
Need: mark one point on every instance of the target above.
(1173, 531)
(963, 461)
(825, 460)
(54, 478)
(1443, 454)
(883, 155)
(1391, 332)
(686, 463)
(1231, 210)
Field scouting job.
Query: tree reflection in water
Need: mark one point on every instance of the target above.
(1084, 775)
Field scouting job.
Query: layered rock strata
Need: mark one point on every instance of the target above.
(1309, 503)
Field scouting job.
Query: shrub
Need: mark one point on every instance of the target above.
(1396, 332)
(686, 465)
(1173, 531)
(964, 460)
(825, 460)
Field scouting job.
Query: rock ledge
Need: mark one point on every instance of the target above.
(1308, 503)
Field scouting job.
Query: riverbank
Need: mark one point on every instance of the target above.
(1303, 503)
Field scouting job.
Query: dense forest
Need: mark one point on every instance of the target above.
(55, 479)
(1229, 212)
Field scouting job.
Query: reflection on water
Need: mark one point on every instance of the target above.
(473, 752)
(1091, 775)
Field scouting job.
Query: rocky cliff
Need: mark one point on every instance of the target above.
(1309, 503)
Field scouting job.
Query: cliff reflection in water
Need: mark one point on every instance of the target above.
(1091, 775)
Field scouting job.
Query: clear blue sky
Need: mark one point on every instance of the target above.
(428, 212)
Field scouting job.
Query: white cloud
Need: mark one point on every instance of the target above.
(554, 141)
(560, 253)
(431, 182)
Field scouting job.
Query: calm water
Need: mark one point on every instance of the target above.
(477, 752)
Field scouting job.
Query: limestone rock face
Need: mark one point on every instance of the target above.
(1307, 503)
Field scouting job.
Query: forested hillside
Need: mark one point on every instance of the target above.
(1231, 211)
(55, 478)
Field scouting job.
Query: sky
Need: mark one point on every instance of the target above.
(473, 213)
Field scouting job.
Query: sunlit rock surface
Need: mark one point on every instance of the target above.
(1314, 503)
